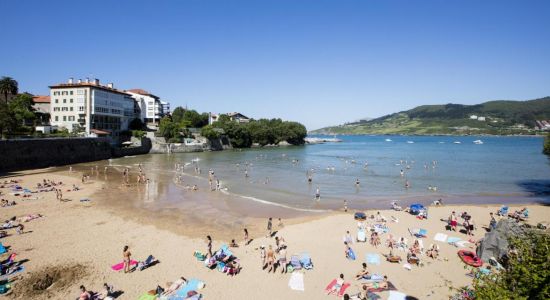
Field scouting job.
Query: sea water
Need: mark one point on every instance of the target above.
(501, 170)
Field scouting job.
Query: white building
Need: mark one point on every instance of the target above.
(473, 117)
(165, 107)
(234, 116)
(150, 105)
(481, 118)
(99, 109)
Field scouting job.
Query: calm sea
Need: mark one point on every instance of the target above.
(501, 170)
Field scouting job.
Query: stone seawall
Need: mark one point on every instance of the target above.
(17, 155)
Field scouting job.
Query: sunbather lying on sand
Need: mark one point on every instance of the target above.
(377, 284)
(336, 288)
(175, 286)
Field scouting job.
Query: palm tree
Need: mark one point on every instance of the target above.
(8, 85)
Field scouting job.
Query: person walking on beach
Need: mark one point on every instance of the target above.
(209, 245)
(126, 256)
(263, 256)
(453, 220)
(270, 259)
(345, 205)
(246, 240)
(282, 259)
(269, 227)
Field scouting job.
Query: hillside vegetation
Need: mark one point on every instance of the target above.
(497, 117)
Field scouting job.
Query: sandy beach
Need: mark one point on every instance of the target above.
(77, 242)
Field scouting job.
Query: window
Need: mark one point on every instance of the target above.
(56, 118)
(56, 100)
(71, 100)
(80, 92)
(71, 108)
(81, 108)
(64, 118)
(71, 92)
(64, 100)
(71, 118)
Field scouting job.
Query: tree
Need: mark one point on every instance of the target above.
(195, 119)
(22, 109)
(210, 132)
(8, 86)
(526, 274)
(177, 114)
(7, 120)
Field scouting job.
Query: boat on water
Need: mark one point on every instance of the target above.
(388, 140)
(478, 142)
(457, 142)
(410, 142)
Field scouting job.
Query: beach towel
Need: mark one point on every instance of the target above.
(120, 266)
(351, 254)
(295, 262)
(296, 281)
(147, 296)
(461, 244)
(343, 289)
(440, 237)
(372, 259)
(361, 236)
(330, 285)
(199, 256)
(305, 260)
(192, 285)
(394, 295)
(452, 240)
(2, 249)
(16, 271)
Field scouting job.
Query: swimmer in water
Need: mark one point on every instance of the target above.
(402, 173)
(317, 194)
(357, 182)
(309, 179)
(407, 184)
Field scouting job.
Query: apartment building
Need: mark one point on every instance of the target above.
(92, 106)
(152, 109)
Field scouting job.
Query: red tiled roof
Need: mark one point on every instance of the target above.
(41, 99)
(142, 92)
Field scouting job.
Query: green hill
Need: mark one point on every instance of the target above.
(494, 117)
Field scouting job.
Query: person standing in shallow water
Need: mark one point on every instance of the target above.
(317, 194)
(209, 245)
(269, 227)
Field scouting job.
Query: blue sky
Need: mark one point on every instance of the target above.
(318, 62)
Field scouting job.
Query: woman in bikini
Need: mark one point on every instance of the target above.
(126, 255)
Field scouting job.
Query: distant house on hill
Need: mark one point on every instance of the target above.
(473, 117)
(234, 116)
(481, 118)
(238, 117)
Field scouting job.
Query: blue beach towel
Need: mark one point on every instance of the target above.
(372, 259)
(305, 260)
(2, 249)
(192, 285)
(351, 254)
(451, 240)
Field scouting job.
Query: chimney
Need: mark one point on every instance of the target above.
(96, 81)
(70, 81)
(79, 81)
(110, 85)
(87, 80)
